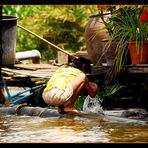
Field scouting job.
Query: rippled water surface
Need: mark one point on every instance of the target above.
(71, 129)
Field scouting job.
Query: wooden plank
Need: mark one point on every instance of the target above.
(97, 70)
(136, 65)
(24, 67)
(18, 75)
(35, 66)
(83, 54)
(43, 71)
(137, 70)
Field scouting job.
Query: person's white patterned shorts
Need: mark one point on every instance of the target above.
(58, 97)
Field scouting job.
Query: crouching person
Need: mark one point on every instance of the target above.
(67, 83)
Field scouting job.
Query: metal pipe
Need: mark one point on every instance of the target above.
(23, 109)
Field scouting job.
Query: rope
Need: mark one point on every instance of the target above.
(19, 107)
(41, 113)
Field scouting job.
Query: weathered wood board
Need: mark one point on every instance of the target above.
(21, 74)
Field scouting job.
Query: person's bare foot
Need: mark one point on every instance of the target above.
(70, 109)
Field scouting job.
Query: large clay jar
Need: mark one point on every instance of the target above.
(95, 32)
(110, 52)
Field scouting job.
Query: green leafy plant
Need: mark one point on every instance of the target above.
(79, 102)
(110, 95)
(125, 26)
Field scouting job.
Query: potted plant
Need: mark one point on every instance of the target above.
(127, 26)
(139, 53)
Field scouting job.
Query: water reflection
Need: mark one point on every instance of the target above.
(70, 129)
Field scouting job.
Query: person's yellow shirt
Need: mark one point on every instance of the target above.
(62, 77)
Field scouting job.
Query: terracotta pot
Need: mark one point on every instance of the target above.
(142, 56)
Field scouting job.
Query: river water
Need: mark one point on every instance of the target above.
(82, 128)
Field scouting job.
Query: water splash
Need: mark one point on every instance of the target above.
(92, 105)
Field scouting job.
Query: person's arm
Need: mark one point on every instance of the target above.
(92, 88)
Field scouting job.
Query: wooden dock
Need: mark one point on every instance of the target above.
(28, 74)
(33, 74)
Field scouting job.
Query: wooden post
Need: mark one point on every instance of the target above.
(1, 51)
(2, 98)
(62, 58)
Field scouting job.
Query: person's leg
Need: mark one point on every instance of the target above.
(78, 84)
(61, 109)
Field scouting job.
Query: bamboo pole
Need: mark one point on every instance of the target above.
(46, 41)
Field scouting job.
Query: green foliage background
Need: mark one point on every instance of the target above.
(63, 25)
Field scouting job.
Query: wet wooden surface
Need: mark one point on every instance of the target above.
(28, 74)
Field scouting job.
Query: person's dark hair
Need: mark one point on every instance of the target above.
(82, 64)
